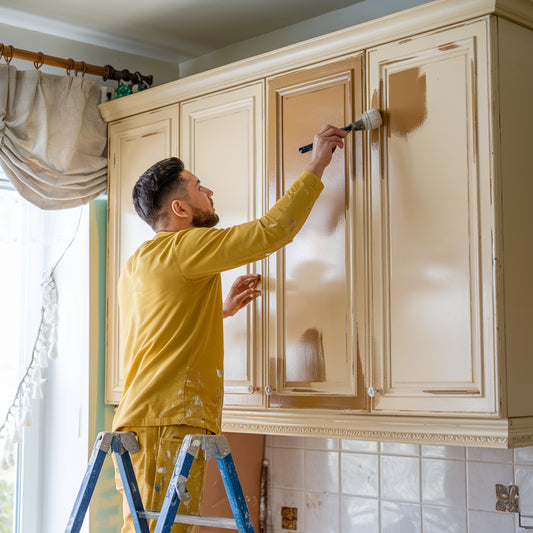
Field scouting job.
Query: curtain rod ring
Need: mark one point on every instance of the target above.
(39, 62)
(70, 65)
(84, 66)
(109, 72)
(9, 57)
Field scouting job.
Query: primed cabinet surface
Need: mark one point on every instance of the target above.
(411, 275)
(221, 143)
(312, 312)
(134, 145)
(431, 224)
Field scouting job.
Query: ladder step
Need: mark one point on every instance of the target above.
(196, 520)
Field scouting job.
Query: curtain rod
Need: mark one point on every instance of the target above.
(77, 67)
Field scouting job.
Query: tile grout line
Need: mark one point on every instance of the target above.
(466, 492)
(304, 486)
(339, 482)
(420, 486)
(380, 501)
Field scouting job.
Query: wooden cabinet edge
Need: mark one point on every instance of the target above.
(476, 432)
(376, 32)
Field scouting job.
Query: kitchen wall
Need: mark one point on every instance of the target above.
(345, 486)
(35, 38)
(358, 13)
(35, 41)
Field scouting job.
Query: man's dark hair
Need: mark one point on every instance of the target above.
(155, 186)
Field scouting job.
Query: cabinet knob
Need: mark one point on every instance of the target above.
(251, 389)
(372, 391)
(268, 389)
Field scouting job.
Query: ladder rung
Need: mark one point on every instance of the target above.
(213, 521)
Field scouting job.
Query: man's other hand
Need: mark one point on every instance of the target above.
(243, 291)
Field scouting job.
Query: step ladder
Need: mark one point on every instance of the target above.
(122, 444)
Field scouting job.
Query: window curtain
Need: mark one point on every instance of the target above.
(52, 137)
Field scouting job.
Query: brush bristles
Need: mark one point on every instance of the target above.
(372, 119)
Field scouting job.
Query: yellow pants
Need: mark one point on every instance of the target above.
(153, 466)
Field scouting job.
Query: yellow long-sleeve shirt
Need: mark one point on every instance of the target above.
(170, 302)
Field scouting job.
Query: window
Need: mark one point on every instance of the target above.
(31, 242)
(11, 212)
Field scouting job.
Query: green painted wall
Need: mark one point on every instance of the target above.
(106, 505)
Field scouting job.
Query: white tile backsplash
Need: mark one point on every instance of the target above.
(314, 443)
(289, 470)
(524, 456)
(322, 471)
(400, 517)
(322, 512)
(360, 514)
(359, 474)
(524, 480)
(443, 452)
(287, 498)
(346, 486)
(489, 455)
(444, 482)
(443, 520)
(399, 448)
(400, 478)
(482, 480)
(359, 446)
(483, 522)
(282, 441)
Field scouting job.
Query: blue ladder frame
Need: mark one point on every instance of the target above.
(122, 444)
(214, 446)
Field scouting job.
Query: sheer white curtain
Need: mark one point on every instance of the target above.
(52, 137)
(31, 242)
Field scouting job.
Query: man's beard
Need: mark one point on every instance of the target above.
(204, 219)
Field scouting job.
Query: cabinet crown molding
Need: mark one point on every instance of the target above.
(369, 34)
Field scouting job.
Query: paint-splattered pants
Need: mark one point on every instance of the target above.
(153, 466)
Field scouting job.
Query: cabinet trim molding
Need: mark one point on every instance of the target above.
(496, 433)
(368, 34)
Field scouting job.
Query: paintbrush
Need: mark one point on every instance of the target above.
(370, 120)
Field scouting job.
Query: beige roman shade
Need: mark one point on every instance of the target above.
(52, 138)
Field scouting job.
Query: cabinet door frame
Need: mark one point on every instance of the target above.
(352, 68)
(248, 99)
(471, 41)
(163, 121)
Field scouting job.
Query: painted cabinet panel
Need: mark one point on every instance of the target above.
(411, 274)
(431, 237)
(222, 144)
(315, 358)
(134, 145)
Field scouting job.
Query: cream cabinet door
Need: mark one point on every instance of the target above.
(222, 144)
(316, 283)
(135, 144)
(431, 239)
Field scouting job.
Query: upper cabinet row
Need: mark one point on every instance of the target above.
(402, 308)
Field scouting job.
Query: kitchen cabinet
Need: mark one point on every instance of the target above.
(402, 310)
(431, 225)
(135, 144)
(315, 287)
(222, 144)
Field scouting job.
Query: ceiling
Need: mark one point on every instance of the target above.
(172, 30)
